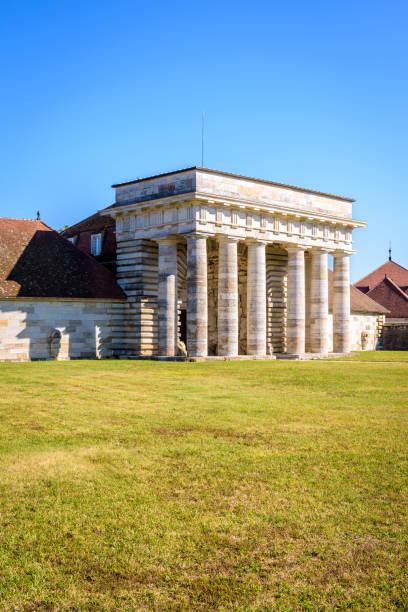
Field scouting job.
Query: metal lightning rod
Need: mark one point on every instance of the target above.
(202, 139)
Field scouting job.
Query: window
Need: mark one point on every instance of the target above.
(96, 244)
(73, 239)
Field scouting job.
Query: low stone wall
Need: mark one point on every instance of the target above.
(365, 331)
(40, 329)
(395, 336)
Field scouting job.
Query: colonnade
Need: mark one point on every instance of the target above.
(307, 299)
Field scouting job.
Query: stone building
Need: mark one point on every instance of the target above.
(388, 285)
(232, 266)
(215, 264)
(56, 302)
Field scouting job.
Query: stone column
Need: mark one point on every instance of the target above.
(197, 298)
(167, 297)
(256, 299)
(295, 327)
(308, 279)
(341, 303)
(228, 297)
(319, 306)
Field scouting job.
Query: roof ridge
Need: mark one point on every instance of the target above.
(373, 272)
(389, 280)
(397, 264)
(23, 219)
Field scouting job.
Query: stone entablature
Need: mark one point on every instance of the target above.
(238, 207)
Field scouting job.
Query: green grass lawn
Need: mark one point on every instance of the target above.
(204, 486)
(377, 356)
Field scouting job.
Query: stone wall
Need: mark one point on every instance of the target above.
(276, 289)
(395, 336)
(135, 333)
(34, 329)
(361, 323)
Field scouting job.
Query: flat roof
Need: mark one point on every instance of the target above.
(240, 176)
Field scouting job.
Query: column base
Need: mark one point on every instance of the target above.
(292, 356)
(281, 356)
(200, 359)
(308, 356)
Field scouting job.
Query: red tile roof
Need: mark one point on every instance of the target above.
(36, 261)
(390, 295)
(390, 269)
(359, 302)
(95, 224)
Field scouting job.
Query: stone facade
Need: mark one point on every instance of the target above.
(41, 329)
(247, 259)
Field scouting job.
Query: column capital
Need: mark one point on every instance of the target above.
(320, 250)
(341, 254)
(294, 248)
(167, 239)
(254, 241)
(196, 235)
(225, 238)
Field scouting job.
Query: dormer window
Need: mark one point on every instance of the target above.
(96, 244)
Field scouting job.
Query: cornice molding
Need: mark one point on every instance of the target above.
(197, 199)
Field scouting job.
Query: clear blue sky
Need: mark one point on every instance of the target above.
(307, 93)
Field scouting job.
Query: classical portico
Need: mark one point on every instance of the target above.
(232, 266)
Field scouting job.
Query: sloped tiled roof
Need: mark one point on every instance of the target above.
(391, 269)
(95, 223)
(359, 302)
(36, 261)
(390, 295)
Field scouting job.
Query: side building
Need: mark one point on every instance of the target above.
(388, 285)
(56, 302)
(96, 236)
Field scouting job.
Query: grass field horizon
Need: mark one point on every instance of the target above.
(129, 485)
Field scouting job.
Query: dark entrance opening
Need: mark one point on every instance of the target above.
(183, 326)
